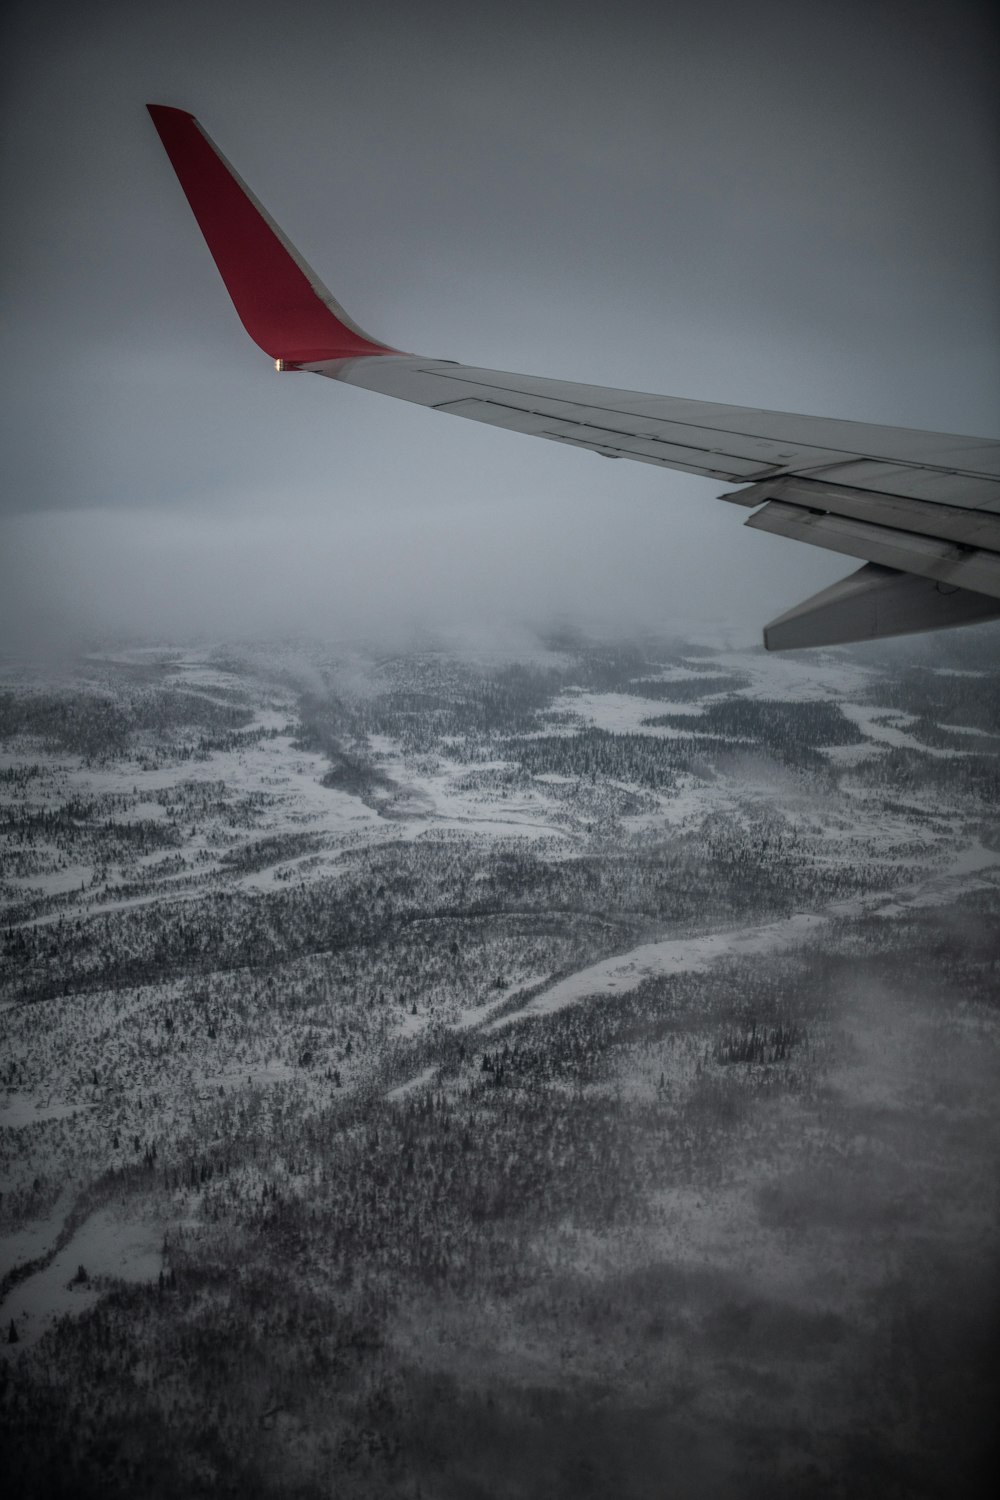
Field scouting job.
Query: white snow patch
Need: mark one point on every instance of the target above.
(473, 1015)
(128, 1250)
(412, 1084)
(621, 713)
(56, 882)
(984, 734)
(803, 678)
(23, 1109)
(888, 727)
(627, 971)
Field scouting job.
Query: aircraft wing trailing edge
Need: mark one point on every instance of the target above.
(921, 510)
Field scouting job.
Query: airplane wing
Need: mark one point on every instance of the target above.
(921, 509)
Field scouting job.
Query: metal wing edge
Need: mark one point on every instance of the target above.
(922, 508)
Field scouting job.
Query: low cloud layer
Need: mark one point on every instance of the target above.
(786, 206)
(85, 575)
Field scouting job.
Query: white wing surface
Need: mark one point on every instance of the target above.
(921, 509)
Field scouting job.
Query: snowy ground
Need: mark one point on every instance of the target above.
(233, 800)
(106, 1247)
(232, 808)
(973, 867)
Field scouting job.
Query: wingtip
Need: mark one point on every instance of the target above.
(279, 299)
(167, 111)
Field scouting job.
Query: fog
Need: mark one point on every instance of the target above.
(445, 569)
(782, 206)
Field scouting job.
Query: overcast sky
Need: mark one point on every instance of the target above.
(791, 205)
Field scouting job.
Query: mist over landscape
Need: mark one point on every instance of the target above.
(561, 1064)
(465, 569)
(472, 1023)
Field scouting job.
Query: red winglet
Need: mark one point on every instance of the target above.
(281, 302)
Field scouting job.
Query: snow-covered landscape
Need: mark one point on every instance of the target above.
(396, 1048)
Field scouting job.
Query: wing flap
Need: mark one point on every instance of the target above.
(873, 603)
(954, 523)
(950, 563)
(914, 482)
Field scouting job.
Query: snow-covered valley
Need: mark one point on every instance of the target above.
(426, 982)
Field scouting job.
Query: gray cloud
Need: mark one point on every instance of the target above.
(484, 567)
(779, 205)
